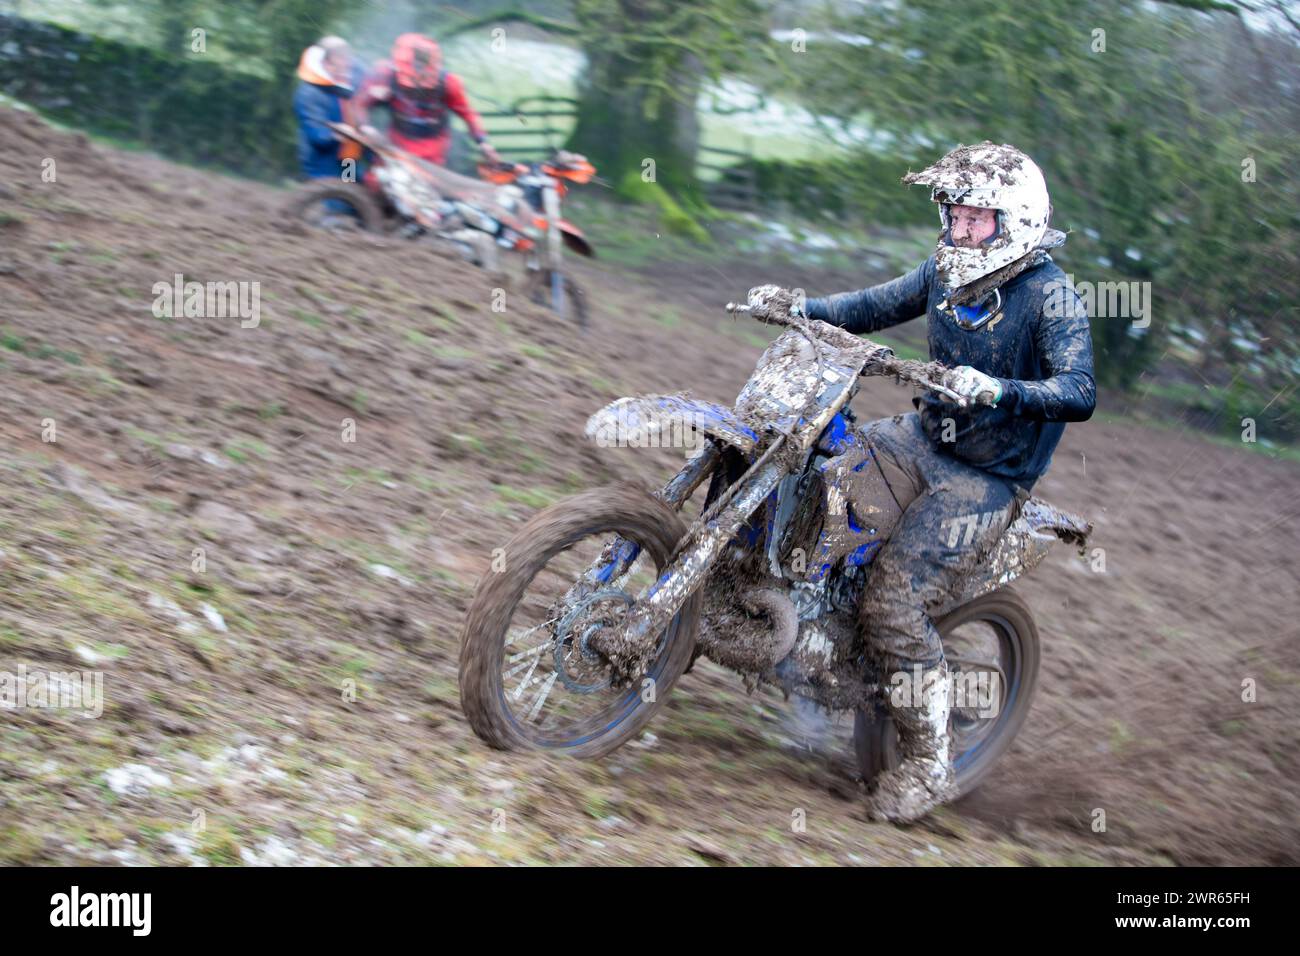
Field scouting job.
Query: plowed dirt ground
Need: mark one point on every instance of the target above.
(225, 736)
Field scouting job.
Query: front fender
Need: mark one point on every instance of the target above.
(575, 239)
(668, 421)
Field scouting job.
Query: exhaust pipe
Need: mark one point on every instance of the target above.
(748, 646)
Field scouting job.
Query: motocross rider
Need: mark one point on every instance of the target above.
(420, 95)
(1005, 317)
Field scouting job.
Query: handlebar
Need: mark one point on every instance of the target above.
(377, 143)
(778, 308)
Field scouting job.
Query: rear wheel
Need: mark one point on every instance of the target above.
(992, 648)
(529, 676)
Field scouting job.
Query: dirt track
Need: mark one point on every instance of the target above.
(330, 561)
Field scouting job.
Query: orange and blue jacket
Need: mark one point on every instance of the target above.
(320, 99)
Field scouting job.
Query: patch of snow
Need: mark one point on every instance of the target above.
(213, 616)
(134, 779)
(184, 846)
(384, 571)
(272, 852)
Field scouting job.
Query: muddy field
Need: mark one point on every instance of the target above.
(202, 530)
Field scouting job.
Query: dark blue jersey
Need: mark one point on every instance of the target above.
(1039, 348)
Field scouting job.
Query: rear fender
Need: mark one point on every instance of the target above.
(1020, 549)
(668, 421)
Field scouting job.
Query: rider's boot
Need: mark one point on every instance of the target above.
(924, 777)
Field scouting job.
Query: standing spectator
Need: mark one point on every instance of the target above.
(329, 75)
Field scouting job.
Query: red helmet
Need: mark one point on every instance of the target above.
(417, 60)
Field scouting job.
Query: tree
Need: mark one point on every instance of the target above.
(647, 61)
(1113, 100)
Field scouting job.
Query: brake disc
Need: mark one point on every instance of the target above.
(580, 667)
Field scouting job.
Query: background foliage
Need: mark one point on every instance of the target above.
(1168, 131)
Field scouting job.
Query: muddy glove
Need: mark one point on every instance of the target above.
(973, 385)
(761, 295)
(764, 298)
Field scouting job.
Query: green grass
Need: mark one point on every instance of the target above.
(1277, 452)
(20, 847)
(667, 316)
(241, 449)
(466, 444)
(453, 352)
(38, 350)
(531, 497)
(219, 845)
(1272, 451)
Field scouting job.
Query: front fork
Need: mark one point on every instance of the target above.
(554, 243)
(620, 554)
(631, 646)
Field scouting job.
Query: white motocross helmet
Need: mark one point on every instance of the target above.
(993, 177)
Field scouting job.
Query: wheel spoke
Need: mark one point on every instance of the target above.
(542, 695)
(535, 653)
(556, 689)
(528, 678)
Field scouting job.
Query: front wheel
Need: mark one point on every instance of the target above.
(530, 677)
(540, 287)
(991, 645)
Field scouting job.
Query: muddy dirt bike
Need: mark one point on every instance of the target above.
(599, 604)
(515, 207)
(538, 189)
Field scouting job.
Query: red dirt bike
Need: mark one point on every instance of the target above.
(514, 207)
